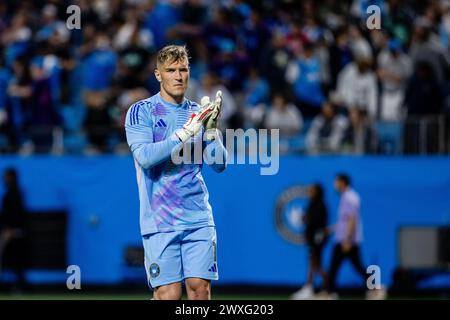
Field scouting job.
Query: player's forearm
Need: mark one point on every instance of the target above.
(151, 154)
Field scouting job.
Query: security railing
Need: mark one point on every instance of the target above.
(416, 135)
(426, 135)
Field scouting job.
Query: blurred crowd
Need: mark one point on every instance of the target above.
(312, 69)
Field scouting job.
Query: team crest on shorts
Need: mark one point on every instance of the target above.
(154, 270)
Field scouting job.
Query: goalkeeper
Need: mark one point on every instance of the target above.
(176, 220)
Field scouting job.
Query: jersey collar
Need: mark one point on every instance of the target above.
(175, 105)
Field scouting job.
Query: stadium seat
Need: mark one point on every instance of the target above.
(389, 137)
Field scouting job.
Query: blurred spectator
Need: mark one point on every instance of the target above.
(5, 76)
(307, 49)
(256, 89)
(332, 13)
(323, 56)
(189, 30)
(98, 120)
(398, 18)
(394, 70)
(316, 222)
(256, 97)
(424, 95)
(125, 100)
(444, 25)
(51, 24)
(131, 33)
(340, 54)
(162, 16)
(13, 229)
(133, 66)
(284, 116)
(43, 115)
(295, 38)
(304, 75)
(210, 84)
(228, 59)
(357, 85)
(100, 63)
(359, 46)
(379, 40)
(16, 38)
(312, 30)
(273, 62)
(231, 66)
(327, 130)
(220, 33)
(424, 100)
(193, 16)
(20, 92)
(253, 35)
(360, 136)
(425, 47)
(4, 16)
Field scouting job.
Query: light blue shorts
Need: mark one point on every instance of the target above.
(174, 256)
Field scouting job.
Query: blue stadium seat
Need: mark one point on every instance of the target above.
(389, 137)
(298, 143)
(74, 142)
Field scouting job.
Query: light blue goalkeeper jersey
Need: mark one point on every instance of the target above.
(172, 197)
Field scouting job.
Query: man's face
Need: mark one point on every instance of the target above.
(355, 117)
(328, 111)
(174, 78)
(338, 185)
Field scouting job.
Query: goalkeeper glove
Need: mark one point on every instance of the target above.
(211, 121)
(194, 123)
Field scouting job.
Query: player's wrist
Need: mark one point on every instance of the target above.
(183, 134)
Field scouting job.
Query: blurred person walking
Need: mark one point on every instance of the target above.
(315, 220)
(12, 229)
(348, 232)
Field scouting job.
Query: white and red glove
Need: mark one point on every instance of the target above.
(194, 123)
(211, 121)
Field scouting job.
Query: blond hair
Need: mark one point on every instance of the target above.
(172, 53)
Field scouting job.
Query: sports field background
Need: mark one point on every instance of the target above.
(64, 94)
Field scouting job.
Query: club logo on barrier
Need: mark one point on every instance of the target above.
(289, 211)
(154, 270)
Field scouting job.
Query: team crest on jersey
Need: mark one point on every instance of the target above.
(154, 270)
